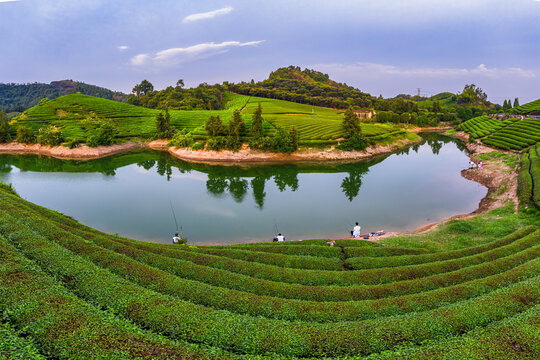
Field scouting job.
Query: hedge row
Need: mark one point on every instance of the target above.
(65, 327)
(181, 320)
(393, 261)
(525, 183)
(310, 250)
(14, 347)
(382, 251)
(288, 309)
(516, 337)
(366, 292)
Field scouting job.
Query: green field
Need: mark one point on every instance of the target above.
(468, 290)
(69, 113)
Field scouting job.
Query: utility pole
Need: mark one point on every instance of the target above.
(418, 89)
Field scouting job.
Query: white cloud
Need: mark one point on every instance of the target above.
(3, 1)
(141, 59)
(123, 47)
(176, 56)
(207, 15)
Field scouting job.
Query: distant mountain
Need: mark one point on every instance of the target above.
(19, 97)
(307, 87)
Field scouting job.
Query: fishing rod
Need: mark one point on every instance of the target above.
(174, 216)
(276, 227)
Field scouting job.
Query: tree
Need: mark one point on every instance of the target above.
(436, 107)
(160, 123)
(351, 124)
(516, 102)
(237, 126)
(472, 94)
(144, 88)
(4, 128)
(180, 84)
(257, 130)
(214, 126)
(505, 104)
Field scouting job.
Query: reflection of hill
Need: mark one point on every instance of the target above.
(235, 179)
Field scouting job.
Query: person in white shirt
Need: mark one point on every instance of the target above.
(176, 239)
(280, 237)
(356, 231)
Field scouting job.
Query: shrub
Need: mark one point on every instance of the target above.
(24, 135)
(199, 145)
(357, 143)
(181, 139)
(216, 143)
(50, 135)
(104, 135)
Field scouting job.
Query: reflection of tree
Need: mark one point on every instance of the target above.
(164, 168)
(415, 148)
(435, 146)
(351, 185)
(238, 189)
(216, 185)
(287, 177)
(257, 184)
(146, 164)
(353, 182)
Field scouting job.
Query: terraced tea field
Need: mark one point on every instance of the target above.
(516, 136)
(69, 291)
(483, 125)
(314, 124)
(532, 107)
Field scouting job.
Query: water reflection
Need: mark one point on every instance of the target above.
(131, 193)
(235, 181)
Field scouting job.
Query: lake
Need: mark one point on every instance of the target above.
(139, 194)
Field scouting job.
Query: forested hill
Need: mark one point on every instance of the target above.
(19, 97)
(306, 87)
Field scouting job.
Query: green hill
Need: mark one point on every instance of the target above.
(19, 97)
(306, 87)
(72, 114)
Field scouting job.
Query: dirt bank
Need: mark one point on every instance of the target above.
(82, 152)
(246, 155)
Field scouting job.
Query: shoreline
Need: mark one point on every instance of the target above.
(489, 177)
(223, 157)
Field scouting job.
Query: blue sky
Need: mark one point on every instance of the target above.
(383, 47)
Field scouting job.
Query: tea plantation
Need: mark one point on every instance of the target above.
(72, 292)
(73, 114)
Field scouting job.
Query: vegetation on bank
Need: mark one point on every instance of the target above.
(282, 126)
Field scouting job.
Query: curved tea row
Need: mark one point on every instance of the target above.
(79, 293)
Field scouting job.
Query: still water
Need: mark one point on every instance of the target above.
(132, 194)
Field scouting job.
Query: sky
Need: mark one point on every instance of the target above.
(383, 47)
